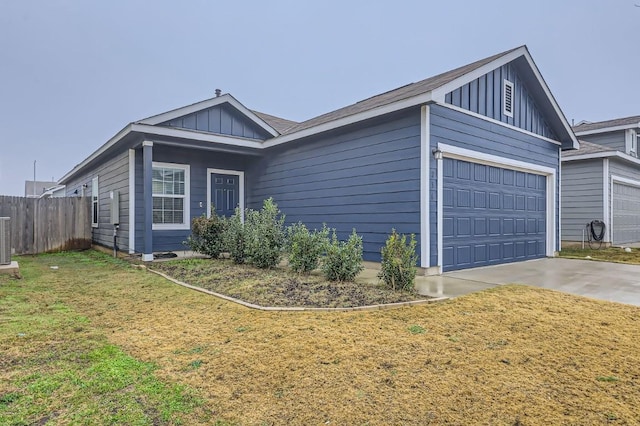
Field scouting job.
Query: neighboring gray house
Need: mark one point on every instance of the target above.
(34, 189)
(601, 181)
(468, 161)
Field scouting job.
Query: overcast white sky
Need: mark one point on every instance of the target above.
(73, 73)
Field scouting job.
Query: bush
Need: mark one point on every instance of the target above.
(234, 238)
(305, 247)
(343, 261)
(207, 235)
(264, 235)
(398, 267)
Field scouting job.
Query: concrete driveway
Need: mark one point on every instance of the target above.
(599, 280)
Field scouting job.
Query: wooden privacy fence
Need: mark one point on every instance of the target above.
(40, 225)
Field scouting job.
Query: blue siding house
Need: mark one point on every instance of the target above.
(468, 161)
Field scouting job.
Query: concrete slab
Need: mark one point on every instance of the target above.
(13, 268)
(614, 282)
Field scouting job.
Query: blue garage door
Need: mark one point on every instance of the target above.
(491, 215)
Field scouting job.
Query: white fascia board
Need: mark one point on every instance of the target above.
(345, 121)
(440, 93)
(498, 122)
(609, 129)
(111, 142)
(609, 154)
(194, 135)
(199, 106)
(425, 156)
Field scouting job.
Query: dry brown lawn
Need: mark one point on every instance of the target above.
(513, 355)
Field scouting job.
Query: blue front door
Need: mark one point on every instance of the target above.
(491, 215)
(225, 193)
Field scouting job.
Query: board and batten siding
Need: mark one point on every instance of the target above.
(367, 178)
(199, 161)
(484, 96)
(582, 195)
(113, 175)
(462, 130)
(221, 119)
(614, 140)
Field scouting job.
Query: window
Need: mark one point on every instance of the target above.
(631, 142)
(94, 202)
(507, 98)
(170, 196)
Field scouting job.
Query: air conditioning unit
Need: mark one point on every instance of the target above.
(5, 241)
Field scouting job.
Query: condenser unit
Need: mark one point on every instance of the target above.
(5, 241)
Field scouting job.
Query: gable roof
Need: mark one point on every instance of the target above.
(434, 89)
(208, 103)
(430, 90)
(586, 128)
(405, 92)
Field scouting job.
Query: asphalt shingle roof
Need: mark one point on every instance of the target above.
(280, 124)
(584, 127)
(587, 148)
(401, 93)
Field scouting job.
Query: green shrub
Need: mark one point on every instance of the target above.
(343, 261)
(234, 238)
(264, 235)
(305, 247)
(398, 266)
(207, 235)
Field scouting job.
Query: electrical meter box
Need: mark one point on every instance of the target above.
(114, 207)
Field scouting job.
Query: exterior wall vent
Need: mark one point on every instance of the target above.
(5, 241)
(507, 98)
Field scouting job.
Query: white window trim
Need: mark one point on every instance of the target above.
(631, 142)
(506, 83)
(187, 198)
(95, 204)
(450, 151)
(240, 175)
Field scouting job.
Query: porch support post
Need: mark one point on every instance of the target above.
(147, 193)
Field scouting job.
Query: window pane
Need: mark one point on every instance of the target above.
(157, 216)
(157, 174)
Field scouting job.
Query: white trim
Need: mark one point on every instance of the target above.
(424, 186)
(624, 181)
(631, 142)
(493, 160)
(196, 135)
(507, 84)
(605, 195)
(187, 198)
(609, 129)
(132, 201)
(351, 119)
(199, 106)
(95, 211)
(240, 175)
(606, 154)
(498, 122)
(147, 143)
(560, 199)
(440, 211)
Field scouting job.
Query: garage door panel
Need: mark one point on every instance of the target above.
(626, 213)
(498, 216)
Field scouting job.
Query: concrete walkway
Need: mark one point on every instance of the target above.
(599, 280)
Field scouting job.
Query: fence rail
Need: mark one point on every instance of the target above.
(40, 225)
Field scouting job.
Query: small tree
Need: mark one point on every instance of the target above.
(398, 266)
(235, 238)
(305, 247)
(207, 235)
(264, 235)
(343, 261)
